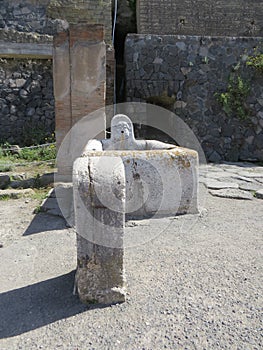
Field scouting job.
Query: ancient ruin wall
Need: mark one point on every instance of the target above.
(26, 101)
(26, 82)
(184, 74)
(200, 17)
(26, 86)
(26, 16)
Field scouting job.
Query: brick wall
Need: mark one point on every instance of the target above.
(200, 17)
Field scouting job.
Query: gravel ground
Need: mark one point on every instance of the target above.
(197, 284)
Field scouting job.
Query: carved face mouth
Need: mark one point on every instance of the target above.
(121, 131)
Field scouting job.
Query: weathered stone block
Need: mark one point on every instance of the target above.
(99, 198)
(4, 180)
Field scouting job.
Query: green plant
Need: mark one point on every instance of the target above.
(234, 98)
(256, 61)
(35, 133)
(6, 158)
(4, 149)
(205, 60)
(39, 194)
(37, 210)
(44, 154)
(41, 153)
(4, 197)
(5, 168)
(254, 193)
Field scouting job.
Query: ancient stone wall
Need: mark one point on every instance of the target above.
(26, 101)
(26, 16)
(26, 34)
(184, 74)
(200, 17)
(27, 113)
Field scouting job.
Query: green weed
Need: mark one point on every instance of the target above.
(41, 153)
(234, 98)
(256, 61)
(4, 197)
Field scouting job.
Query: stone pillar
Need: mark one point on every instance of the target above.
(79, 72)
(62, 90)
(88, 69)
(99, 199)
(81, 59)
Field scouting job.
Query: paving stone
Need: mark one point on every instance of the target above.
(232, 193)
(243, 178)
(217, 175)
(259, 194)
(259, 179)
(251, 174)
(231, 179)
(250, 186)
(216, 185)
(232, 170)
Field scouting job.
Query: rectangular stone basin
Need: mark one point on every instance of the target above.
(158, 182)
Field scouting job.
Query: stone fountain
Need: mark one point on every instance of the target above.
(119, 177)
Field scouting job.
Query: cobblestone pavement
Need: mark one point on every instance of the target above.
(233, 180)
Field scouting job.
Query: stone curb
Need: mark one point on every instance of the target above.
(17, 181)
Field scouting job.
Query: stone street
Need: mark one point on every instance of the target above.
(233, 180)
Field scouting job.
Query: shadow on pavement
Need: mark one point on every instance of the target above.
(37, 305)
(45, 222)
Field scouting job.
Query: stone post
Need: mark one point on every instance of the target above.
(62, 90)
(79, 72)
(99, 199)
(88, 69)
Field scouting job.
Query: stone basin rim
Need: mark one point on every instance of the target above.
(178, 151)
